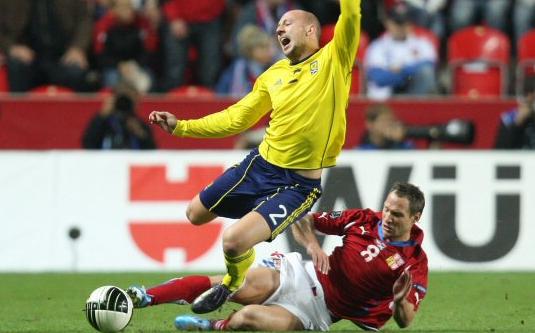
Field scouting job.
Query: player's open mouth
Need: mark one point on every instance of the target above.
(284, 42)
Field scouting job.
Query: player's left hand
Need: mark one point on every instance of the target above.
(402, 286)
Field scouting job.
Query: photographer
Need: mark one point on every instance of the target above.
(517, 126)
(383, 130)
(117, 125)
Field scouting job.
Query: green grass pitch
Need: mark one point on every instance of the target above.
(456, 302)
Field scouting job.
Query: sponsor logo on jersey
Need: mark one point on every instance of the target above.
(395, 261)
(314, 67)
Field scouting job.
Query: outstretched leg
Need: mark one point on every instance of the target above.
(260, 283)
(264, 318)
(238, 242)
(249, 318)
(182, 290)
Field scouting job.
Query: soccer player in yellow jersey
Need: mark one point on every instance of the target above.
(275, 185)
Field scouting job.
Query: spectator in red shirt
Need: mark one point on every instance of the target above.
(123, 42)
(192, 23)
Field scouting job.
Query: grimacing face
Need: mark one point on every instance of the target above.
(397, 220)
(292, 34)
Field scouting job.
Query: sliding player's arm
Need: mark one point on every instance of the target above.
(409, 290)
(403, 310)
(304, 234)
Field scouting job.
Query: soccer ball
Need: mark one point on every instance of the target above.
(108, 309)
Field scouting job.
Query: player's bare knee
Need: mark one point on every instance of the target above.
(245, 319)
(195, 217)
(232, 244)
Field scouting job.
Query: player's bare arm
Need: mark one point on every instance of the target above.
(403, 311)
(304, 234)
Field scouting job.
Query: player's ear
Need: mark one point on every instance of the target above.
(310, 30)
(416, 217)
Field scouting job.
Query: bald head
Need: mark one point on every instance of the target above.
(299, 34)
(308, 20)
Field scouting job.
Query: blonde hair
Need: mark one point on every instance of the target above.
(250, 37)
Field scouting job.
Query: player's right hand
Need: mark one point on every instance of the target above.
(402, 286)
(319, 258)
(167, 121)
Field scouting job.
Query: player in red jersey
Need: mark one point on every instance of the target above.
(378, 248)
(379, 272)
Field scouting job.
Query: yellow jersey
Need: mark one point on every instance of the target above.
(307, 100)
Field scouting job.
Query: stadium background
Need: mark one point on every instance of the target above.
(73, 220)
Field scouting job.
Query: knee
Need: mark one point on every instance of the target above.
(232, 242)
(426, 72)
(73, 70)
(245, 319)
(426, 75)
(194, 216)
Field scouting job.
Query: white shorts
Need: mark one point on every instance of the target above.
(301, 293)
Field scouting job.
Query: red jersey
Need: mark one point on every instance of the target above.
(359, 284)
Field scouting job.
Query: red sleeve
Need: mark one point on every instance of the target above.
(171, 11)
(335, 222)
(418, 291)
(101, 30)
(150, 37)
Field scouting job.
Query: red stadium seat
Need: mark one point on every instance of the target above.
(52, 90)
(191, 91)
(478, 58)
(4, 82)
(429, 35)
(327, 33)
(526, 57)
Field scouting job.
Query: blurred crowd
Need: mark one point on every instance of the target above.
(131, 47)
(223, 45)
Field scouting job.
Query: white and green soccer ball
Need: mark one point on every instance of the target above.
(108, 309)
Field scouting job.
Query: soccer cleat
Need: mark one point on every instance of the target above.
(139, 296)
(192, 323)
(211, 300)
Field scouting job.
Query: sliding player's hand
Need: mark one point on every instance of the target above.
(402, 286)
(319, 258)
(167, 121)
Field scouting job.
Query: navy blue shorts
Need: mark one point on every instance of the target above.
(280, 195)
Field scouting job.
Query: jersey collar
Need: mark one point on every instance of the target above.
(303, 60)
(395, 243)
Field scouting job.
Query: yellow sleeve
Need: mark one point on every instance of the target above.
(347, 32)
(234, 119)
